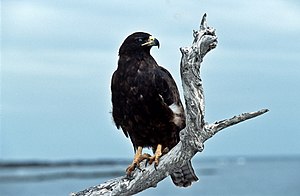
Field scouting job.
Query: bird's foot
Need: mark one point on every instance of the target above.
(138, 157)
(158, 153)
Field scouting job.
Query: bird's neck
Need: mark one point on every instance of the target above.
(136, 61)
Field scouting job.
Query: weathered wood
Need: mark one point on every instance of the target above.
(192, 137)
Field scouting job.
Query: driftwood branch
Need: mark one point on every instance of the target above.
(192, 137)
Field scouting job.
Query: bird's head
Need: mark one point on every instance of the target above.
(138, 42)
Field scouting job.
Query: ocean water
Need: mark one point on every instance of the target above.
(274, 176)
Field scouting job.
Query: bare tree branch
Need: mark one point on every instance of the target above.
(192, 138)
(212, 129)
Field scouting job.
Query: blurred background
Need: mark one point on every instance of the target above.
(57, 135)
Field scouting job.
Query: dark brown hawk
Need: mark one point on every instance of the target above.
(146, 104)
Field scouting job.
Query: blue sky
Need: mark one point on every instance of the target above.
(57, 58)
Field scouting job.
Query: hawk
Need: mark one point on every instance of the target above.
(146, 104)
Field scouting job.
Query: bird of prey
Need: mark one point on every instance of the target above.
(146, 104)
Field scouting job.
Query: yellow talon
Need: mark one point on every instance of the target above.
(155, 158)
(138, 157)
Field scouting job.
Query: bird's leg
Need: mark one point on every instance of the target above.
(156, 156)
(138, 157)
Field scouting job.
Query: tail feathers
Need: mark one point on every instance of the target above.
(184, 176)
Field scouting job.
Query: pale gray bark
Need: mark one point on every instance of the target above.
(192, 137)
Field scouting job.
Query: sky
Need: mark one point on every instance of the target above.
(57, 58)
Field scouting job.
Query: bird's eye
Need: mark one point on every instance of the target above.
(140, 39)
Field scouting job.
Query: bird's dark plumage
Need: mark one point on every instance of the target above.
(145, 98)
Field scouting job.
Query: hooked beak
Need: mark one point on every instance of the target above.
(152, 41)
